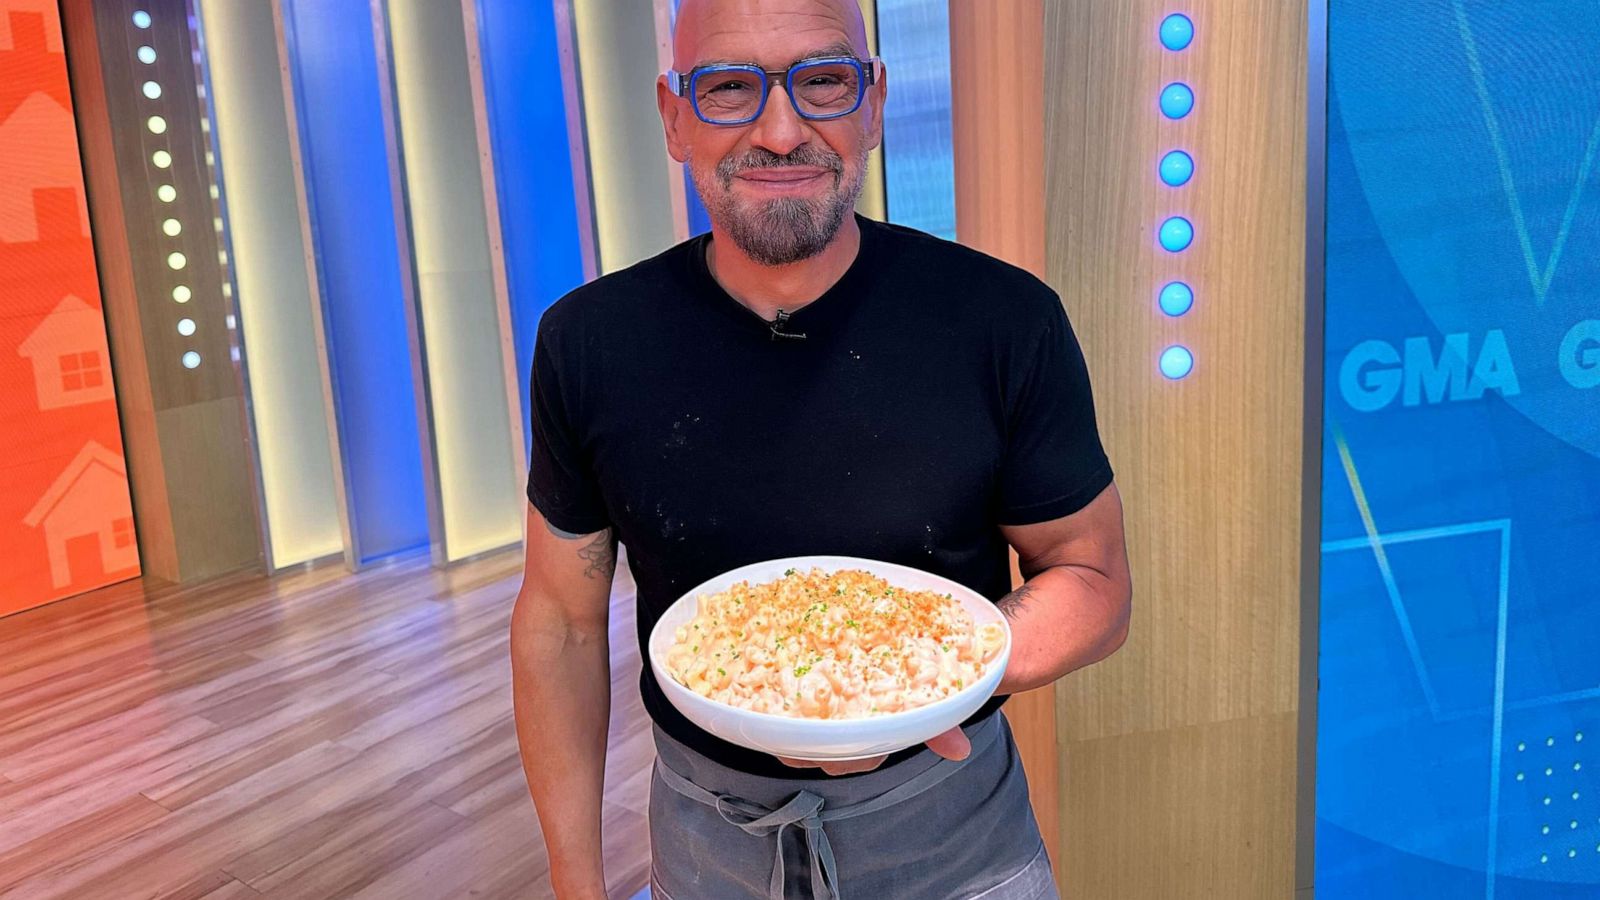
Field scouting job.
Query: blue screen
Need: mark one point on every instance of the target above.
(918, 162)
(532, 169)
(333, 61)
(1459, 700)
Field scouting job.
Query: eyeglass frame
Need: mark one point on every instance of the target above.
(682, 85)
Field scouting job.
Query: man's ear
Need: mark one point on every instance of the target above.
(877, 94)
(672, 121)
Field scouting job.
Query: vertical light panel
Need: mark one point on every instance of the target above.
(279, 319)
(538, 203)
(919, 171)
(344, 162)
(464, 353)
(630, 173)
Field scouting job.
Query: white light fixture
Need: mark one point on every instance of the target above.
(162, 159)
(157, 125)
(167, 193)
(147, 55)
(172, 227)
(176, 260)
(152, 90)
(181, 293)
(186, 327)
(191, 360)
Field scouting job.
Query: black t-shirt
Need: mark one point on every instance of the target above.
(938, 394)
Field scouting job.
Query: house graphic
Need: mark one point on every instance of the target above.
(41, 196)
(71, 364)
(87, 519)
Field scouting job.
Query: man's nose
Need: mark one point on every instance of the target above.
(779, 128)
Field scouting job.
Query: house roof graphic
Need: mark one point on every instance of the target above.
(72, 326)
(92, 454)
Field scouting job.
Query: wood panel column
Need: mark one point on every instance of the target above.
(167, 298)
(1178, 754)
(998, 138)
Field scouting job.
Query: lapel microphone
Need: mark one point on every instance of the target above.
(779, 324)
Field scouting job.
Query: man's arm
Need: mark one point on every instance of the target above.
(1073, 610)
(561, 691)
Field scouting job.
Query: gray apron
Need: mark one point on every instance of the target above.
(926, 829)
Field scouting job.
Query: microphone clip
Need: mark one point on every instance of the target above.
(779, 324)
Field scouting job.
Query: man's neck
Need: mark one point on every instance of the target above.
(767, 289)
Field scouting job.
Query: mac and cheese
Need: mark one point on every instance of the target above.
(830, 645)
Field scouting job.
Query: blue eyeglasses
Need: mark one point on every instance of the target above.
(825, 87)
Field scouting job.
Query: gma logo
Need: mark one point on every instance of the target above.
(1374, 374)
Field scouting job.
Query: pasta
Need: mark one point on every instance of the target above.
(830, 645)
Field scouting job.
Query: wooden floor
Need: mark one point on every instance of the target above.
(315, 735)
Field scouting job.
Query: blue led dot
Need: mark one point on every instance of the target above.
(1177, 168)
(141, 19)
(1176, 362)
(1176, 31)
(1176, 234)
(1176, 298)
(1176, 100)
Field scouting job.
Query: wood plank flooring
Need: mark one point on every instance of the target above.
(319, 734)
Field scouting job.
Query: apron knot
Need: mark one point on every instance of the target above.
(803, 809)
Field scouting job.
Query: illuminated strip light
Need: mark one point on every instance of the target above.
(1175, 170)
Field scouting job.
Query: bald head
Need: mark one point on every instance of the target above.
(781, 185)
(707, 30)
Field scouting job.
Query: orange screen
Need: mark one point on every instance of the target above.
(66, 523)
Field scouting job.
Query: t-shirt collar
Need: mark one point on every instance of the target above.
(839, 296)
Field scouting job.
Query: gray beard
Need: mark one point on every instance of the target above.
(787, 229)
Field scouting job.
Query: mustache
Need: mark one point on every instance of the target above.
(812, 157)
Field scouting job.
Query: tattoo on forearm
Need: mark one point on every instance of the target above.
(601, 554)
(1015, 602)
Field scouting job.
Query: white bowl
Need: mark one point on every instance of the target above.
(827, 739)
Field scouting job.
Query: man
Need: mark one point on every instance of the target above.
(804, 381)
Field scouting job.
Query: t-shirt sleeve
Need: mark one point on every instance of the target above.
(561, 480)
(1054, 464)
